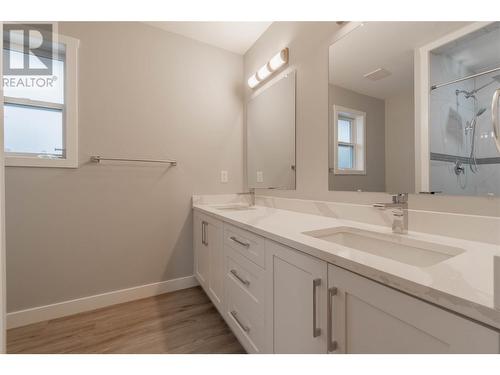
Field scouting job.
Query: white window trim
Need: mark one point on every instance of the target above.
(70, 111)
(339, 111)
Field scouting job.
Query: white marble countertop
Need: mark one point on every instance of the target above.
(463, 283)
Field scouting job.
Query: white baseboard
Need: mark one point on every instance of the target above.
(75, 306)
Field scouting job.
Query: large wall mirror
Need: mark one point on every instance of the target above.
(397, 124)
(271, 136)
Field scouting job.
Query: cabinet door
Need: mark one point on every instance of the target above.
(368, 317)
(297, 285)
(214, 241)
(201, 251)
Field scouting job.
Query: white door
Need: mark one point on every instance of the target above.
(371, 318)
(2, 215)
(201, 251)
(299, 284)
(214, 240)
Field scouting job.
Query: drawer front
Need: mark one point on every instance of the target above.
(250, 245)
(245, 316)
(245, 275)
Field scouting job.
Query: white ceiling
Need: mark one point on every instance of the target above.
(388, 45)
(236, 37)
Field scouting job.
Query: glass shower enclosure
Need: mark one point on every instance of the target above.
(464, 85)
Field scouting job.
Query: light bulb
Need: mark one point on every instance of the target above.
(263, 73)
(253, 81)
(279, 59)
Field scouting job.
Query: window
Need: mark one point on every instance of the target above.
(349, 140)
(40, 112)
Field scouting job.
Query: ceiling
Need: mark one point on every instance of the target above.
(236, 37)
(388, 45)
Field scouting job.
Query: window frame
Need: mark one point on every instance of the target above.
(69, 110)
(358, 140)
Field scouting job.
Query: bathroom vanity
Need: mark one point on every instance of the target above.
(289, 282)
(338, 279)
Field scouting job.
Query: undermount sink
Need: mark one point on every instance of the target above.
(234, 207)
(396, 247)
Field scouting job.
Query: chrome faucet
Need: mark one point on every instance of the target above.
(400, 212)
(251, 193)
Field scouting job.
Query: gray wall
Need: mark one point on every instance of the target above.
(308, 43)
(400, 143)
(143, 93)
(374, 179)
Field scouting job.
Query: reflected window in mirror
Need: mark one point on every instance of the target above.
(349, 140)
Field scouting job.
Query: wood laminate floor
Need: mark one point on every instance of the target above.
(179, 322)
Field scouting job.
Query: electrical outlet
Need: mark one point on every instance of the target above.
(260, 176)
(223, 177)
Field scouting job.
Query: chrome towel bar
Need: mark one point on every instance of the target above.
(98, 159)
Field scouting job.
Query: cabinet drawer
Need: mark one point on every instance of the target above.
(244, 274)
(250, 245)
(245, 316)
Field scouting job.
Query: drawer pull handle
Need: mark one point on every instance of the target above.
(332, 345)
(242, 280)
(234, 239)
(316, 330)
(234, 314)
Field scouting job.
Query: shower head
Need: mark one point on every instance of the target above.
(472, 124)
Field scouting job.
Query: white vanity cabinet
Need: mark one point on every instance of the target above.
(297, 286)
(209, 257)
(280, 300)
(368, 317)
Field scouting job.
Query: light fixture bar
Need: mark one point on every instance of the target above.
(265, 71)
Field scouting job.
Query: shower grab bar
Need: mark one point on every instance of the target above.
(433, 87)
(98, 159)
(495, 118)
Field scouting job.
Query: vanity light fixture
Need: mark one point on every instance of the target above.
(253, 81)
(276, 62)
(263, 72)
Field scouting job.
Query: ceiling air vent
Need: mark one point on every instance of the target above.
(377, 74)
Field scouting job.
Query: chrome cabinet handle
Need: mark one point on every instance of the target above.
(242, 280)
(204, 239)
(234, 314)
(495, 121)
(206, 234)
(316, 330)
(233, 238)
(332, 345)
